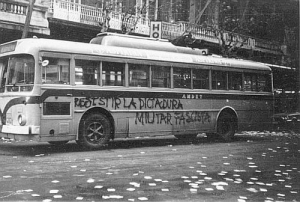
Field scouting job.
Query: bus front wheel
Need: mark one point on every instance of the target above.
(95, 131)
(226, 126)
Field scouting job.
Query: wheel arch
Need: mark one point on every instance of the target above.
(98, 110)
(231, 111)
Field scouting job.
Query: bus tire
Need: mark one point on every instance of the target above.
(186, 137)
(212, 136)
(58, 143)
(95, 131)
(226, 126)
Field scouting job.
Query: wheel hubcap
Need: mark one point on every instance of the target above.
(95, 132)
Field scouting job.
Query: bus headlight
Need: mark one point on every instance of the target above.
(22, 120)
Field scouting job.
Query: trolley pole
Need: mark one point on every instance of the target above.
(28, 19)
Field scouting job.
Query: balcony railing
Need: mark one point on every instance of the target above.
(13, 15)
(13, 7)
(93, 16)
(80, 13)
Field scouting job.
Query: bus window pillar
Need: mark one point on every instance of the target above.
(59, 72)
(192, 79)
(227, 86)
(126, 75)
(243, 82)
(100, 73)
(150, 76)
(72, 71)
(172, 77)
(210, 79)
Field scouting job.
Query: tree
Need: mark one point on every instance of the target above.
(130, 18)
(104, 26)
(228, 27)
(225, 25)
(186, 39)
(28, 19)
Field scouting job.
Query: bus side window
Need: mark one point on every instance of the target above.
(201, 79)
(160, 76)
(57, 71)
(182, 77)
(250, 82)
(86, 72)
(219, 80)
(263, 83)
(113, 74)
(138, 75)
(235, 80)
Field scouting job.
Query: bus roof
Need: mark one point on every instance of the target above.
(278, 67)
(60, 46)
(130, 41)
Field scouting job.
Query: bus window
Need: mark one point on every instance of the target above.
(56, 108)
(160, 76)
(201, 79)
(3, 73)
(250, 82)
(57, 71)
(263, 83)
(182, 77)
(235, 81)
(138, 75)
(219, 80)
(20, 73)
(113, 74)
(86, 72)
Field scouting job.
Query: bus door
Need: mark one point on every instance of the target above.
(56, 98)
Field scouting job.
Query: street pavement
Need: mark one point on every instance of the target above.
(256, 166)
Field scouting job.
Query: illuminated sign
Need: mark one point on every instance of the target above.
(8, 47)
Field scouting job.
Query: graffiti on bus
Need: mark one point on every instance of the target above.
(128, 103)
(173, 117)
(176, 118)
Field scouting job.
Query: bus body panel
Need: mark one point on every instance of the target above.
(143, 116)
(20, 116)
(56, 110)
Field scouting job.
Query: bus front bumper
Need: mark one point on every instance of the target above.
(20, 130)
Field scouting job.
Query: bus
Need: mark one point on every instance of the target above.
(121, 86)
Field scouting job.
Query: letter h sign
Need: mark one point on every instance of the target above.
(155, 30)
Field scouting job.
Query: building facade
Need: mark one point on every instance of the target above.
(81, 20)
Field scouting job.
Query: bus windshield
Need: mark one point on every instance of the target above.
(17, 73)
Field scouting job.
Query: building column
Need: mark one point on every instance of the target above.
(156, 10)
(217, 13)
(192, 11)
(138, 5)
(170, 11)
(147, 9)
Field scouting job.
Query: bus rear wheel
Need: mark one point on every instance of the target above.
(58, 143)
(95, 131)
(226, 126)
(186, 137)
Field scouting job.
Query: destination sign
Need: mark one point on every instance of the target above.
(9, 47)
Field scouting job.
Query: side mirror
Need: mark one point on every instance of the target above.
(45, 63)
